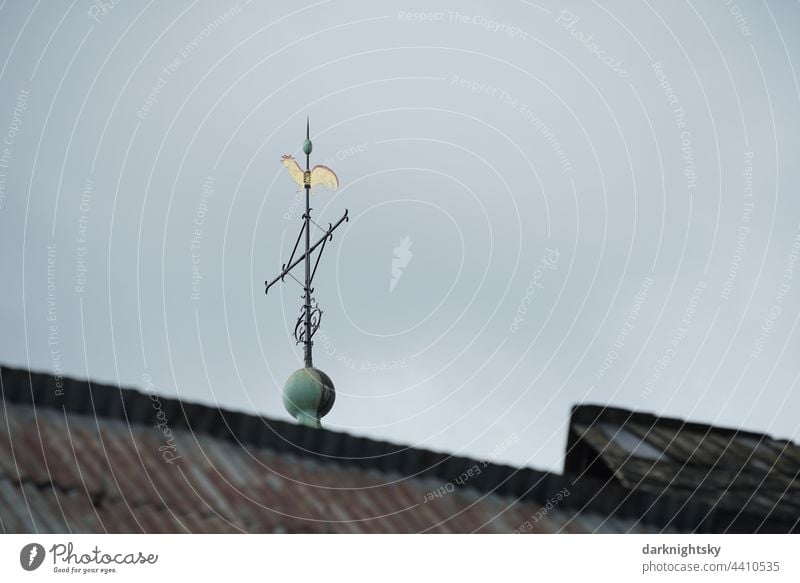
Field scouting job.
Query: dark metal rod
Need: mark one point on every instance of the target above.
(303, 256)
(319, 256)
(296, 243)
(307, 181)
(307, 310)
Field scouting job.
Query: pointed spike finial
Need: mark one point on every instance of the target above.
(307, 146)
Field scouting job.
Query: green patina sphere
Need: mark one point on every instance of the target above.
(307, 146)
(308, 395)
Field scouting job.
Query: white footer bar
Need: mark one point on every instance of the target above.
(379, 558)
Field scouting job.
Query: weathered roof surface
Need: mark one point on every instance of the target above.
(743, 472)
(63, 470)
(81, 474)
(94, 458)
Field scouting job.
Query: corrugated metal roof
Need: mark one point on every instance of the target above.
(67, 472)
(92, 460)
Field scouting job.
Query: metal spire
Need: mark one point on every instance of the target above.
(312, 384)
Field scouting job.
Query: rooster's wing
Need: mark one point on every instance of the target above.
(324, 176)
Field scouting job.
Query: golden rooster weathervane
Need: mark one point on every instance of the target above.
(308, 393)
(320, 175)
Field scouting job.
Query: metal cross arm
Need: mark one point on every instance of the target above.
(287, 267)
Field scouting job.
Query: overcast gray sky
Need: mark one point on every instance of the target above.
(550, 204)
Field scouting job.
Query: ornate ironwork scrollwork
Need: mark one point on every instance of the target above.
(316, 320)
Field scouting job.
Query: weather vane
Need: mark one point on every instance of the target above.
(308, 394)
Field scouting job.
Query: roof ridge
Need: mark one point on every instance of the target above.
(582, 412)
(606, 498)
(23, 387)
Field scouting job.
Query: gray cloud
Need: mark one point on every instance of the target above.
(143, 205)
